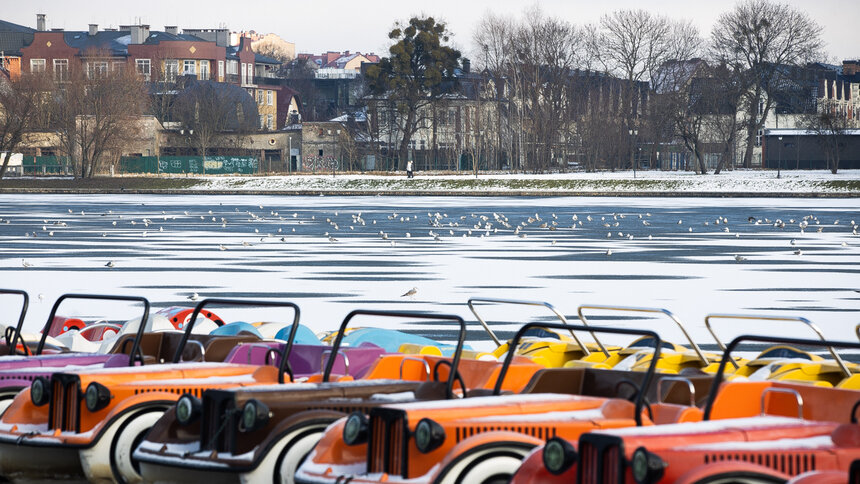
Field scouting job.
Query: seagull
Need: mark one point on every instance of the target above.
(410, 292)
(609, 252)
(793, 242)
(26, 264)
(740, 258)
(798, 252)
(221, 247)
(193, 297)
(110, 264)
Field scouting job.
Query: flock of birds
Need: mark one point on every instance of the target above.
(338, 227)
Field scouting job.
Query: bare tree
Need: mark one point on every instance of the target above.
(22, 108)
(206, 110)
(763, 37)
(95, 111)
(633, 44)
(830, 125)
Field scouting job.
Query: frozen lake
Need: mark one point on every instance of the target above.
(334, 254)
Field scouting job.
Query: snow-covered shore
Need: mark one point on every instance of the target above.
(846, 182)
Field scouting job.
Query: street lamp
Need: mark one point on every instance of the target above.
(633, 134)
(779, 161)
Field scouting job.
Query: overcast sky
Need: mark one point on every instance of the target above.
(321, 25)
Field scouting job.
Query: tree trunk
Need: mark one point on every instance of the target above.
(700, 161)
(407, 136)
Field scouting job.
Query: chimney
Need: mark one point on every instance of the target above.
(94, 29)
(467, 65)
(171, 29)
(222, 37)
(139, 33)
(40, 22)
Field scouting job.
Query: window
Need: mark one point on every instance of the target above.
(269, 121)
(204, 70)
(61, 70)
(189, 68)
(269, 98)
(117, 66)
(220, 70)
(233, 67)
(250, 68)
(97, 69)
(171, 69)
(144, 68)
(262, 121)
(244, 74)
(758, 138)
(260, 97)
(37, 65)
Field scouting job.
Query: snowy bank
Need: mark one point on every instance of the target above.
(751, 182)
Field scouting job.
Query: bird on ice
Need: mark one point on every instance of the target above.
(194, 296)
(25, 263)
(798, 252)
(110, 264)
(410, 292)
(740, 258)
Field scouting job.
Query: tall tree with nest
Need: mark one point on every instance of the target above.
(414, 74)
(762, 38)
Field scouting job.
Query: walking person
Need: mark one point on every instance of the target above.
(409, 169)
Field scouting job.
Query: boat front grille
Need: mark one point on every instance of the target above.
(64, 413)
(218, 418)
(785, 462)
(387, 443)
(601, 460)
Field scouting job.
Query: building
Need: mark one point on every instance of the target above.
(12, 38)
(158, 56)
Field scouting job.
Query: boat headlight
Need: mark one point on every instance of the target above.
(254, 416)
(429, 435)
(647, 467)
(96, 397)
(188, 409)
(40, 391)
(558, 455)
(355, 429)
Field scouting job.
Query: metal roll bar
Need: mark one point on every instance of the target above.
(547, 305)
(419, 360)
(798, 319)
(646, 381)
(25, 304)
(789, 391)
(455, 361)
(718, 377)
(662, 311)
(244, 302)
(681, 379)
(324, 359)
(97, 297)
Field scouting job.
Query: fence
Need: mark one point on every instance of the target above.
(213, 165)
(46, 165)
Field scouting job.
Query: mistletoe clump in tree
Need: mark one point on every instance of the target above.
(414, 74)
